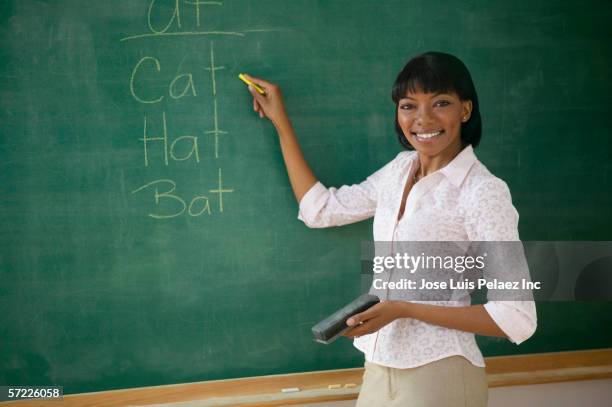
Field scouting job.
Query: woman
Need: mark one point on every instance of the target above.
(419, 354)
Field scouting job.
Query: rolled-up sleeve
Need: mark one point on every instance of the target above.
(518, 319)
(312, 202)
(491, 217)
(323, 207)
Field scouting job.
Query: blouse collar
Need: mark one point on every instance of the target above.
(458, 168)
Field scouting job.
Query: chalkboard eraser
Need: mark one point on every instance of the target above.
(329, 329)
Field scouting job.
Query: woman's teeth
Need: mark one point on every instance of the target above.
(426, 136)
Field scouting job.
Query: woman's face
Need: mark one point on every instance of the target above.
(432, 121)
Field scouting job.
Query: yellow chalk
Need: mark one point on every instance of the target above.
(251, 83)
(349, 385)
(334, 386)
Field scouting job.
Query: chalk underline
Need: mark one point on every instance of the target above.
(192, 33)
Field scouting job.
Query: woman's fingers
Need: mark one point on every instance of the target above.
(259, 81)
(358, 324)
(270, 104)
(258, 102)
(360, 330)
(261, 99)
(270, 89)
(362, 317)
(373, 319)
(257, 108)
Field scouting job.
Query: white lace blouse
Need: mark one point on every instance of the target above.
(462, 201)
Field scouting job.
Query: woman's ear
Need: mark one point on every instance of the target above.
(466, 110)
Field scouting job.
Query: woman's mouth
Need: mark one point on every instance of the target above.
(427, 136)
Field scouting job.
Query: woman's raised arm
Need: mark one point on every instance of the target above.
(271, 105)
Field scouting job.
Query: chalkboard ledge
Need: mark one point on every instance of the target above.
(314, 386)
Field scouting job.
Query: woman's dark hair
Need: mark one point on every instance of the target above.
(434, 72)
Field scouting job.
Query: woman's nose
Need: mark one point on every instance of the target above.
(423, 115)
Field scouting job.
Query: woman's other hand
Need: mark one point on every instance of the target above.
(372, 319)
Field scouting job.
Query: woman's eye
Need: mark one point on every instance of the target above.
(406, 107)
(442, 103)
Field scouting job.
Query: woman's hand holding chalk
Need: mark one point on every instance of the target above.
(249, 82)
(267, 100)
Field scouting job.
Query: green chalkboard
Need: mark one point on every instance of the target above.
(149, 234)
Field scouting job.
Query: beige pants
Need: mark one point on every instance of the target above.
(451, 381)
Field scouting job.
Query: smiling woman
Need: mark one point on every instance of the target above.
(442, 76)
(437, 108)
(419, 354)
